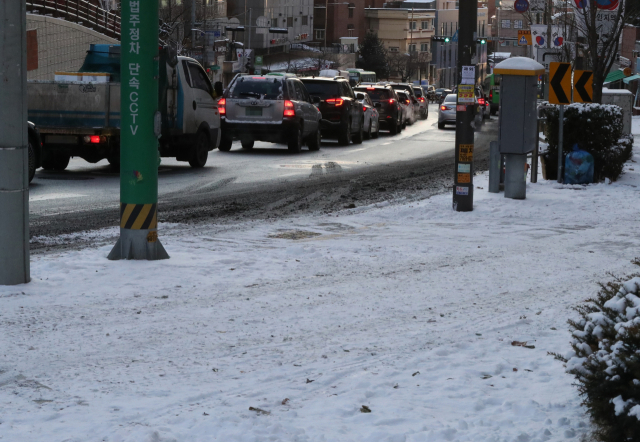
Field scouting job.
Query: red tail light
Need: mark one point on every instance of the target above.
(335, 101)
(289, 110)
(444, 108)
(222, 107)
(481, 101)
(392, 101)
(371, 88)
(364, 108)
(95, 139)
(407, 101)
(491, 94)
(421, 99)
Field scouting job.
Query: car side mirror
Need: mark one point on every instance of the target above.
(315, 99)
(377, 105)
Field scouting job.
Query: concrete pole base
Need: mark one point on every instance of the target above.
(138, 244)
(515, 178)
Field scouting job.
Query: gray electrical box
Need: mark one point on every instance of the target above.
(518, 116)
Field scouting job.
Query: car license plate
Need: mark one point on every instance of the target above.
(254, 112)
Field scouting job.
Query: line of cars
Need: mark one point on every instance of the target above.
(447, 107)
(282, 108)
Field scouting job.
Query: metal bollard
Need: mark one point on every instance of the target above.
(495, 167)
(515, 179)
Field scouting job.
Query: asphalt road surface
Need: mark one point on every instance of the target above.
(265, 182)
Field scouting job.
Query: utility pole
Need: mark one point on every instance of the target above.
(14, 141)
(463, 173)
(140, 129)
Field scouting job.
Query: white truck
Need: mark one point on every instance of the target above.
(82, 119)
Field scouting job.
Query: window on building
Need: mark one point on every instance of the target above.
(424, 25)
(305, 20)
(517, 24)
(289, 22)
(394, 49)
(413, 25)
(424, 47)
(351, 12)
(319, 34)
(515, 43)
(506, 24)
(412, 48)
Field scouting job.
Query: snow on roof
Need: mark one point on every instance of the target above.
(607, 91)
(518, 66)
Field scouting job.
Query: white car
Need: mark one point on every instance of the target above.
(407, 108)
(371, 116)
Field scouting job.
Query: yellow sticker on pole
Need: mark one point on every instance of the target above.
(466, 153)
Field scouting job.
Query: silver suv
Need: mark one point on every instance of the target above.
(269, 108)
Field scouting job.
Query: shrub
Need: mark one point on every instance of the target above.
(606, 359)
(597, 129)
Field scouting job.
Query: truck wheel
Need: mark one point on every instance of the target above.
(247, 143)
(345, 137)
(200, 151)
(357, 139)
(59, 162)
(314, 140)
(225, 143)
(32, 160)
(295, 140)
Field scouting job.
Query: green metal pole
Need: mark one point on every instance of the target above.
(139, 132)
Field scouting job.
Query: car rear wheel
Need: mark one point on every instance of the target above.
(440, 125)
(59, 162)
(314, 140)
(200, 151)
(360, 134)
(295, 140)
(225, 143)
(345, 136)
(247, 143)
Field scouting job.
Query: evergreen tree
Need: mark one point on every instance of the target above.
(373, 56)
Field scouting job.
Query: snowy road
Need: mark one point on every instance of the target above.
(264, 182)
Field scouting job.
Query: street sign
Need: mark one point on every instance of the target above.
(524, 38)
(521, 6)
(583, 87)
(560, 83)
(468, 75)
(258, 59)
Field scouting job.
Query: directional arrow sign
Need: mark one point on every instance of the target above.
(560, 82)
(583, 87)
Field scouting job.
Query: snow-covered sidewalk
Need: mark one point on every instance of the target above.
(292, 330)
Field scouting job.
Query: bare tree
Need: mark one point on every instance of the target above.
(406, 66)
(603, 36)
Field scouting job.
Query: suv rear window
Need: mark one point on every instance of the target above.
(269, 88)
(376, 94)
(323, 89)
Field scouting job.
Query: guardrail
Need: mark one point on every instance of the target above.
(79, 11)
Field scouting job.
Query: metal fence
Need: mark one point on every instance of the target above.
(79, 11)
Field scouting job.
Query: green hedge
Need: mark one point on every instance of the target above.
(597, 129)
(606, 359)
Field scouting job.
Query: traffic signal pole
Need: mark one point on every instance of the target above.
(14, 142)
(463, 173)
(140, 128)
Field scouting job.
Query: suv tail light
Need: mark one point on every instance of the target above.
(391, 101)
(421, 99)
(364, 108)
(371, 88)
(222, 107)
(289, 110)
(335, 101)
(407, 101)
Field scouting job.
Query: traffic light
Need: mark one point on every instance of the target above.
(441, 38)
(482, 41)
(447, 39)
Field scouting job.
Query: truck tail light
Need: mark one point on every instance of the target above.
(289, 110)
(94, 139)
(222, 107)
(491, 94)
(335, 101)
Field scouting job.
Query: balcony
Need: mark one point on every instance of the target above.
(420, 33)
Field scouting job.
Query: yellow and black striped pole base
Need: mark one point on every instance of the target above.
(138, 234)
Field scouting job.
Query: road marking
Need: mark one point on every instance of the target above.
(55, 196)
(386, 144)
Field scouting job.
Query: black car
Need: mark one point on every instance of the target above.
(342, 114)
(385, 99)
(35, 149)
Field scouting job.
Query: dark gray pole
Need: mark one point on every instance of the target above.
(463, 173)
(14, 153)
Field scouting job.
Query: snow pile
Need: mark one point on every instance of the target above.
(391, 322)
